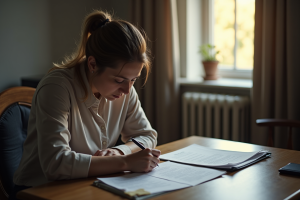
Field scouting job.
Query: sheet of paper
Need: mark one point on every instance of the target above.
(182, 173)
(200, 155)
(135, 181)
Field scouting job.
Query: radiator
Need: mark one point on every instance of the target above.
(215, 115)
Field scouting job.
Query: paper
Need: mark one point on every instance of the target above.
(172, 176)
(187, 174)
(135, 181)
(168, 176)
(203, 156)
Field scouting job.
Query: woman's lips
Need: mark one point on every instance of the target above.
(116, 96)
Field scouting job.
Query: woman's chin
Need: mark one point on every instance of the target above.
(111, 98)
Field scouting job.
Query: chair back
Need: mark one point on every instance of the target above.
(271, 123)
(15, 104)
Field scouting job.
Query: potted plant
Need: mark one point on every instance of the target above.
(209, 61)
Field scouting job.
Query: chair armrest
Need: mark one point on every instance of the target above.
(278, 122)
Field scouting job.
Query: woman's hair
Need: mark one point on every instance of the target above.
(109, 42)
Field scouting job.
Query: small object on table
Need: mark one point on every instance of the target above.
(290, 169)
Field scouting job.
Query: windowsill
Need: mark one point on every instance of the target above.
(229, 83)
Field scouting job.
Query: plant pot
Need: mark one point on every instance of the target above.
(211, 69)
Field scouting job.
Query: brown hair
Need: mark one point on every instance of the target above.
(114, 42)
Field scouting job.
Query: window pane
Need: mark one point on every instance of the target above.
(224, 32)
(245, 34)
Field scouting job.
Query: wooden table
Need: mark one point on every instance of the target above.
(258, 181)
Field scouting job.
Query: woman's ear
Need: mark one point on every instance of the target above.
(91, 62)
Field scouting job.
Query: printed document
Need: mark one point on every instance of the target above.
(187, 174)
(168, 176)
(203, 156)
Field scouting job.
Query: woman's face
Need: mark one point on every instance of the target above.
(114, 83)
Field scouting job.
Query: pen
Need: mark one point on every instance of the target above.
(139, 145)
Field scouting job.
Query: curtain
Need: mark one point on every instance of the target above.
(160, 96)
(276, 71)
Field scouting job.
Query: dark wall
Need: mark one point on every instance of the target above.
(36, 33)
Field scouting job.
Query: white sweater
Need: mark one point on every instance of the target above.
(64, 132)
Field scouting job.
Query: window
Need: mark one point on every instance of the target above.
(234, 34)
(228, 24)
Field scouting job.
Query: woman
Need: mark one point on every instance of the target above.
(82, 106)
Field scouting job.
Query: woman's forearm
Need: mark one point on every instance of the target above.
(133, 147)
(142, 161)
(101, 165)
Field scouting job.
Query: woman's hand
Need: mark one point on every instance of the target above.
(108, 152)
(142, 161)
(155, 152)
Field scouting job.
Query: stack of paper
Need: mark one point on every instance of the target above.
(220, 159)
(167, 177)
(173, 176)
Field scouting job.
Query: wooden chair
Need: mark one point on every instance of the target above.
(15, 104)
(271, 123)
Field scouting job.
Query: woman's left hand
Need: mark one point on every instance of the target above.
(108, 152)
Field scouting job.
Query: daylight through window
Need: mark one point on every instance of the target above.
(234, 33)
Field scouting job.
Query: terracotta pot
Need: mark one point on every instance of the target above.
(211, 69)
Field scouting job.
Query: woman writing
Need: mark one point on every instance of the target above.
(82, 106)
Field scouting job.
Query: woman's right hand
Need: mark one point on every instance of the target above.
(142, 161)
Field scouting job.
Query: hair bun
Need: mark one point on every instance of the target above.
(96, 20)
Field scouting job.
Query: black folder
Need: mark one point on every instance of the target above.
(290, 169)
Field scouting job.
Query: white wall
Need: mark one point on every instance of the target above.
(190, 38)
(36, 33)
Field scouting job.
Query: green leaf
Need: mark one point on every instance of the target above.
(208, 52)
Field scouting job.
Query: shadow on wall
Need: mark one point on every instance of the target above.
(34, 34)
(66, 18)
(25, 40)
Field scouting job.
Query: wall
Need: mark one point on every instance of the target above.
(36, 33)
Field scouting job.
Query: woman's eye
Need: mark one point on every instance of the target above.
(119, 81)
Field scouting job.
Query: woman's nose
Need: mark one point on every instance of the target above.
(126, 87)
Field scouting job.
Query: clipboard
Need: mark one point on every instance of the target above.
(122, 193)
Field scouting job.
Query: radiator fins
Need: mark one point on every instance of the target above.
(216, 115)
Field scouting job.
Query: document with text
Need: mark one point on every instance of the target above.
(192, 165)
(168, 176)
(221, 159)
(186, 174)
